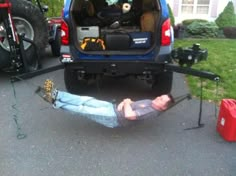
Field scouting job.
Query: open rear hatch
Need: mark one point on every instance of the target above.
(121, 28)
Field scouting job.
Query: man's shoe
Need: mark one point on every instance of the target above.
(48, 92)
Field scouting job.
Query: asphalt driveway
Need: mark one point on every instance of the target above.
(61, 144)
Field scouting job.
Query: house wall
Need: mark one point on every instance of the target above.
(215, 8)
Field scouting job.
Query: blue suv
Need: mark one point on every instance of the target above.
(116, 38)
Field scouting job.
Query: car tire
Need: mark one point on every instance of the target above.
(162, 83)
(29, 20)
(56, 44)
(73, 84)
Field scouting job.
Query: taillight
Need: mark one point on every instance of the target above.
(64, 33)
(166, 33)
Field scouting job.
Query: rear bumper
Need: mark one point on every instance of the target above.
(116, 67)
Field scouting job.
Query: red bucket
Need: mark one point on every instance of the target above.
(226, 123)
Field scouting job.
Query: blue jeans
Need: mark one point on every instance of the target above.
(99, 111)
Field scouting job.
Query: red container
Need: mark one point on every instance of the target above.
(226, 124)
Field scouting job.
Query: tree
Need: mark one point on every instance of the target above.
(172, 18)
(54, 7)
(227, 18)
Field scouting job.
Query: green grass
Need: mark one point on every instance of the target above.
(221, 60)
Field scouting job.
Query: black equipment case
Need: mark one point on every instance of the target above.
(117, 41)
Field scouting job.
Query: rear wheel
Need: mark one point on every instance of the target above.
(76, 84)
(30, 21)
(162, 83)
(56, 44)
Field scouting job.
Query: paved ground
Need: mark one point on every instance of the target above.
(59, 143)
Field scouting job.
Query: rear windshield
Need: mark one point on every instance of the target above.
(110, 2)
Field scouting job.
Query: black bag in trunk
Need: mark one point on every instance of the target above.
(117, 41)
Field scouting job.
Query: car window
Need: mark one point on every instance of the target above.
(110, 2)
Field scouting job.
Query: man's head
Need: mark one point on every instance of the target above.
(162, 102)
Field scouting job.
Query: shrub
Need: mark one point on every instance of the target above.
(230, 32)
(190, 21)
(227, 17)
(55, 7)
(202, 29)
(172, 18)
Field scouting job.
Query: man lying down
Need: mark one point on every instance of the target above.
(104, 112)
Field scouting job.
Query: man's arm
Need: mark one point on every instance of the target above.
(128, 111)
(120, 106)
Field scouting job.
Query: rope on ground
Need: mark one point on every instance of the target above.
(20, 134)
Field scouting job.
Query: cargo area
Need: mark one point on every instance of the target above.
(116, 28)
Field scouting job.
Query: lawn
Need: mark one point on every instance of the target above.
(221, 60)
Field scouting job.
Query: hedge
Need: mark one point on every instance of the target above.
(230, 32)
(202, 29)
(190, 21)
